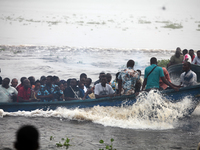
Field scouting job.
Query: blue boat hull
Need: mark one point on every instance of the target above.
(171, 95)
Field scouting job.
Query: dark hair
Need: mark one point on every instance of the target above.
(51, 78)
(103, 76)
(68, 82)
(7, 79)
(83, 75)
(153, 60)
(37, 81)
(191, 50)
(139, 71)
(55, 78)
(74, 80)
(198, 51)
(22, 79)
(27, 138)
(90, 80)
(130, 63)
(185, 51)
(188, 63)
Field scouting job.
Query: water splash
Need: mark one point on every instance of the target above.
(151, 111)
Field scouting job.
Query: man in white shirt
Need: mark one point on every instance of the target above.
(197, 58)
(7, 92)
(103, 89)
(188, 77)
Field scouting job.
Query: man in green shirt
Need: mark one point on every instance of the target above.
(177, 58)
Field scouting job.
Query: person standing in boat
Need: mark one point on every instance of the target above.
(128, 79)
(152, 76)
(188, 77)
(103, 89)
(187, 57)
(197, 59)
(49, 91)
(73, 92)
(7, 93)
(177, 58)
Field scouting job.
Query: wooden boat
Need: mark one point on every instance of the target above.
(172, 96)
(176, 70)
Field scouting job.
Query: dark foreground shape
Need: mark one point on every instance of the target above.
(171, 95)
(176, 70)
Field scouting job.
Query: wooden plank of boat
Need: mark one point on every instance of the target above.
(176, 70)
(172, 96)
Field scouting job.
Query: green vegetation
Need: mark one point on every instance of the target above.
(144, 22)
(107, 146)
(65, 144)
(163, 63)
(173, 26)
(167, 22)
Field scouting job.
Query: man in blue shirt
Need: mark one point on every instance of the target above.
(152, 75)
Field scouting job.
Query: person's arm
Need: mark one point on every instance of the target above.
(120, 85)
(144, 84)
(169, 84)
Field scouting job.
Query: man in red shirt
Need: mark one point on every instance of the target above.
(24, 93)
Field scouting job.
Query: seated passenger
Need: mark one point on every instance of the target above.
(32, 81)
(114, 84)
(186, 56)
(55, 80)
(188, 77)
(103, 89)
(197, 58)
(109, 78)
(21, 80)
(88, 83)
(191, 53)
(49, 91)
(14, 83)
(7, 93)
(61, 86)
(98, 81)
(128, 79)
(177, 58)
(34, 92)
(24, 93)
(73, 92)
(43, 80)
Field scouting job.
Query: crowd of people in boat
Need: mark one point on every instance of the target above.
(127, 82)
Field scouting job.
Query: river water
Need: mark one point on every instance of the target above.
(66, 38)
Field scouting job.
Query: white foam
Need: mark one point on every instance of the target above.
(151, 111)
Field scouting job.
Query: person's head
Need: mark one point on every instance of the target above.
(43, 80)
(61, 86)
(22, 79)
(83, 80)
(198, 54)
(139, 72)
(80, 85)
(68, 82)
(27, 84)
(117, 74)
(191, 52)
(14, 82)
(178, 52)
(109, 77)
(37, 85)
(186, 66)
(32, 80)
(130, 63)
(83, 75)
(73, 83)
(27, 138)
(88, 82)
(5, 82)
(1, 80)
(103, 80)
(55, 79)
(49, 80)
(153, 60)
(100, 74)
(185, 51)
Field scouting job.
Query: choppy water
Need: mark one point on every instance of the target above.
(66, 38)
